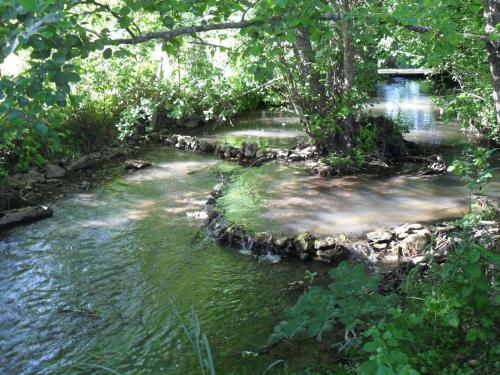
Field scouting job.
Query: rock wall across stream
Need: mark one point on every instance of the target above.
(386, 246)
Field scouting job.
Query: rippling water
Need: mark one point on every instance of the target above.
(98, 284)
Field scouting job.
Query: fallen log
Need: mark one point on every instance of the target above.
(24, 215)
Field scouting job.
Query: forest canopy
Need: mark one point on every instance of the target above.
(317, 57)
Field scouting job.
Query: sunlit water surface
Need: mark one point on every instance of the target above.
(109, 280)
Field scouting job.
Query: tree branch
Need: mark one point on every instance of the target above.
(188, 30)
(426, 29)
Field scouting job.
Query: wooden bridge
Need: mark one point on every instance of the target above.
(405, 72)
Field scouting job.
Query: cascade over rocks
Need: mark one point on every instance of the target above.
(383, 246)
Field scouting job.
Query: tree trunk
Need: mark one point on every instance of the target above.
(492, 18)
(309, 73)
(349, 76)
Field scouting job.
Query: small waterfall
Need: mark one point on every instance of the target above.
(247, 245)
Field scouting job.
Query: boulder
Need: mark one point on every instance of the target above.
(264, 239)
(33, 176)
(251, 150)
(380, 246)
(136, 164)
(413, 244)
(334, 255)
(379, 236)
(217, 190)
(325, 243)
(83, 162)
(304, 245)
(295, 157)
(24, 215)
(281, 242)
(206, 146)
(54, 171)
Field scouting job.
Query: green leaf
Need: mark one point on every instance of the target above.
(108, 52)
(41, 129)
(370, 347)
(29, 5)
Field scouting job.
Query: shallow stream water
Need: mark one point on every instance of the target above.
(110, 280)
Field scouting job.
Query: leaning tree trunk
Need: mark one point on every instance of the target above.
(492, 18)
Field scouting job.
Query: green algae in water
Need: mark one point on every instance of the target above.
(250, 189)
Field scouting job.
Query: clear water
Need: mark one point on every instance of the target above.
(406, 101)
(100, 283)
(267, 129)
(287, 199)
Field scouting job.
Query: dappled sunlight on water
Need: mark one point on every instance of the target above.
(167, 170)
(354, 205)
(267, 129)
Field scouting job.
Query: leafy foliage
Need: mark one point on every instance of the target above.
(447, 323)
(350, 301)
(444, 323)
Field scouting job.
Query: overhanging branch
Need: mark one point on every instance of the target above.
(426, 29)
(188, 30)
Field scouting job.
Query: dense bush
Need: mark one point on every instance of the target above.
(443, 323)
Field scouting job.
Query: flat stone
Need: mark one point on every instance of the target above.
(379, 236)
(81, 163)
(136, 164)
(24, 215)
(380, 246)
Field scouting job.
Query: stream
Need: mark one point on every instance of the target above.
(110, 279)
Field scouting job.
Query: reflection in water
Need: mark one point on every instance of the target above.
(267, 129)
(95, 284)
(401, 99)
